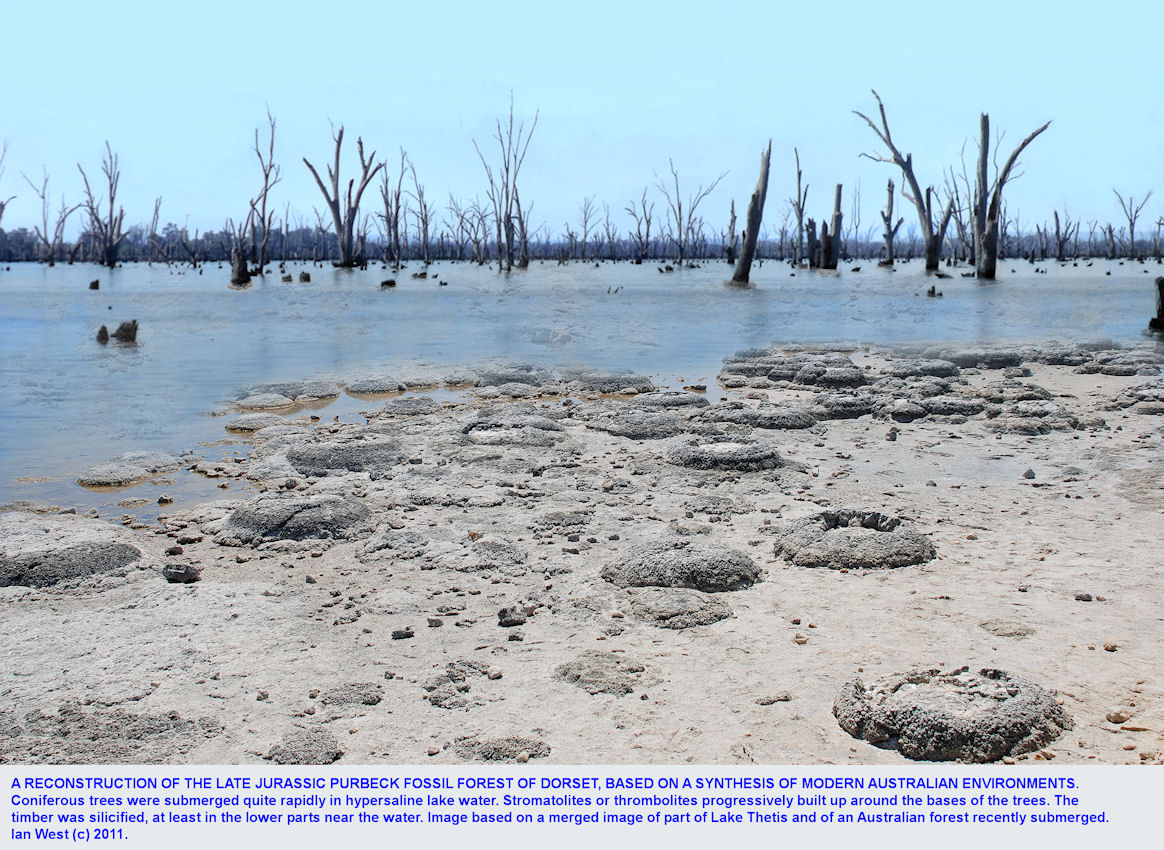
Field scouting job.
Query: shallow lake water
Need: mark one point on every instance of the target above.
(69, 403)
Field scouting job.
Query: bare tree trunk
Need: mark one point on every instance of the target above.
(755, 216)
(106, 227)
(830, 238)
(347, 217)
(988, 200)
(798, 205)
(813, 244)
(890, 228)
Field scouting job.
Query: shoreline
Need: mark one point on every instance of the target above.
(518, 501)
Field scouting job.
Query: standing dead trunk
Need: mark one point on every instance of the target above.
(933, 231)
(1157, 324)
(831, 236)
(755, 216)
(346, 217)
(813, 244)
(798, 204)
(890, 228)
(988, 200)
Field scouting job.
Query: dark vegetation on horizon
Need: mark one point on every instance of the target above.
(962, 220)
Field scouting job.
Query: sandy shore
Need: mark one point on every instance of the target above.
(349, 608)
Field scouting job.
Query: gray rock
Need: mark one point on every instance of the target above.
(181, 573)
(389, 543)
(510, 616)
(725, 453)
(668, 400)
(952, 405)
(916, 368)
(843, 405)
(901, 410)
(376, 454)
(603, 673)
(312, 390)
(354, 693)
(671, 562)
(250, 422)
(766, 416)
(509, 749)
(420, 405)
(306, 746)
(375, 386)
(128, 468)
(636, 424)
(855, 540)
(677, 607)
(985, 358)
(273, 517)
(608, 382)
(499, 555)
(40, 551)
(933, 715)
(514, 374)
(265, 401)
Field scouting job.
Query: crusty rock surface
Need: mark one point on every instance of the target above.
(40, 551)
(855, 540)
(272, 517)
(934, 715)
(671, 562)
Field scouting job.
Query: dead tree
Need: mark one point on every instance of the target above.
(1132, 212)
(988, 199)
(239, 273)
(394, 209)
(4, 203)
(513, 143)
(105, 225)
(610, 232)
(1109, 241)
(799, 201)
(641, 238)
(890, 228)
(50, 243)
(521, 220)
(933, 224)
(743, 267)
(347, 217)
(830, 235)
(1063, 234)
(262, 220)
(730, 239)
(424, 215)
(686, 224)
(588, 218)
(813, 245)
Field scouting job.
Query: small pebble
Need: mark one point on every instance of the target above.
(1118, 717)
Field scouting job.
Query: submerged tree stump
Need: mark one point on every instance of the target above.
(1157, 324)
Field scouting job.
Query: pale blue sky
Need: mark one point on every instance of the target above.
(179, 91)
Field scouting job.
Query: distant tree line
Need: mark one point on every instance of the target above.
(963, 220)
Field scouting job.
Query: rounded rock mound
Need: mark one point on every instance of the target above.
(733, 454)
(375, 454)
(682, 563)
(40, 551)
(266, 518)
(853, 540)
(932, 715)
(677, 607)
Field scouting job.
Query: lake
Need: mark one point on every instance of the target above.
(70, 403)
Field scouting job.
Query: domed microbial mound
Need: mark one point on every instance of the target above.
(932, 715)
(853, 540)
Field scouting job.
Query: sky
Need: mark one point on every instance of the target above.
(620, 89)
